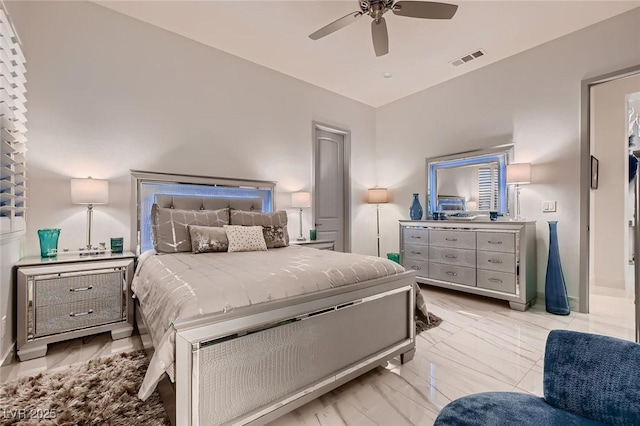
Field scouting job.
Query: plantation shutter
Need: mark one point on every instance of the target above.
(13, 179)
(488, 188)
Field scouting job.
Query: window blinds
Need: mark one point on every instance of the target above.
(488, 188)
(13, 180)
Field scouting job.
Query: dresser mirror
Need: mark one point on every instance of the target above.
(469, 183)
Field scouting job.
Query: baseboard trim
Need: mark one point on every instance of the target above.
(9, 357)
(574, 302)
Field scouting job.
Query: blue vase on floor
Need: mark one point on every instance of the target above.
(555, 290)
(415, 211)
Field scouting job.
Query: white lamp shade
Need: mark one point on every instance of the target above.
(301, 199)
(519, 173)
(89, 191)
(377, 196)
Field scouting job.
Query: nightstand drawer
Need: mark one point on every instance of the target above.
(54, 319)
(74, 288)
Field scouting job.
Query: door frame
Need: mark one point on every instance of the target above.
(585, 175)
(346, 181)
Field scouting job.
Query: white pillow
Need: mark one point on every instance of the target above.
(245, 238)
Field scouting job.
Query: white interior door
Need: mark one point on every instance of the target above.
(330, 176)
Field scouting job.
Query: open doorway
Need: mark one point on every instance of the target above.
(613, 139)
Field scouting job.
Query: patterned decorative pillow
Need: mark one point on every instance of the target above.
(208, 239)
(240, 217)
(170, 226)
(245, 238)
(275, 236)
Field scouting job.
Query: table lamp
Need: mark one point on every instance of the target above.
(89, 191)
(301, 200)
(377, 196)
(518, 174)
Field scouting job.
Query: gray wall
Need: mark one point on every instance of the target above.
(108, 93)
(532, 99)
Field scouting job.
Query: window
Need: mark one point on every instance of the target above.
(488, 188)
(13, 180)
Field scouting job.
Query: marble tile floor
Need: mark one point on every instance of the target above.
(482, 345)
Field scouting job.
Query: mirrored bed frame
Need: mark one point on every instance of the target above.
(257, 363)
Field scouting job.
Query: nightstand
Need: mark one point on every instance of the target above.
(317, 244)
(72, 296)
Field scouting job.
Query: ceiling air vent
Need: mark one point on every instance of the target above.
(468, 57)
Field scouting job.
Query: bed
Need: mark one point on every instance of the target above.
(258, 334)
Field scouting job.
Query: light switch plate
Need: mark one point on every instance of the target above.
(548, 206)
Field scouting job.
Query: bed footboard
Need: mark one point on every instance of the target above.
(252, 369)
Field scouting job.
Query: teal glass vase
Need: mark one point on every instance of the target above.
(48, 242)
(415, 211)
(555, 289)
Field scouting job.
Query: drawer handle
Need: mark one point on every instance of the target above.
(453, 274)
(417, 268)
(451, 239)
(494, 242)
(494, 261)
(82, 288)
(413, 236)
(80, 314)
(450, 256)
(495, 280)
(416, 252)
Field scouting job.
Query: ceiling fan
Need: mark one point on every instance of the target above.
(377, 8)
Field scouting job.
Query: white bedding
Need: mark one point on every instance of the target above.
(184, 285)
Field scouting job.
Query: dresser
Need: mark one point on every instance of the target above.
(494, 259)
(72, 296)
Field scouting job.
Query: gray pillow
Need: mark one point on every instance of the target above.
(170, 226)
(240, 217)
(275, 236)
(245, 238)
(208, 239)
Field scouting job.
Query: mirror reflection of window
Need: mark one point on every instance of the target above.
(488, 187)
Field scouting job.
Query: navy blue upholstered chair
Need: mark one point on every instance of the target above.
(588, 380)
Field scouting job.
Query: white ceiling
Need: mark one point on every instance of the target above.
(275, 34)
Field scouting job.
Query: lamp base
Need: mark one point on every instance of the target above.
(301, 238)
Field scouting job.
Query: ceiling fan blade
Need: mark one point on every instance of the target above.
(380, 37)
(425, 9)
(336, 25)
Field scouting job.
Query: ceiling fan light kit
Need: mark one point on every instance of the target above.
(377, 8)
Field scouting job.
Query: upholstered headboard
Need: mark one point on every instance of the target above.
(187, 192)
(207, 203)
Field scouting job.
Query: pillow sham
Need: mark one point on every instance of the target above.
(240, 217)
(275, 236)
(169, 226)
(208, 239)
(245, 238)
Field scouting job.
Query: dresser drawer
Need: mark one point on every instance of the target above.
(418, 236)
(451, 273)
(452, 256)
(497, 241)
(416, 252)
(52, 319)
(421, 268)
(496, 261)
(74, 288)
(500, 281)
(453, 239)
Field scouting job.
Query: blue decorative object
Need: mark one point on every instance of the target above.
(48, 242)
(555, 289)
(588, 380)
(633, 167)
(415, 212)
